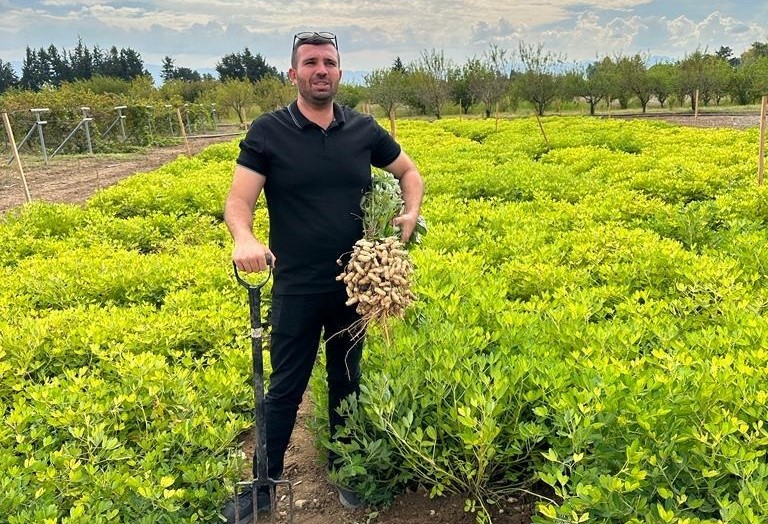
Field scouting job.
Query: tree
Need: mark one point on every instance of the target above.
(104, 85)
(692, 75)
(273, 93)
(489, 77)
(34, 71)
(80, 62)
(389, 89)
(620, 86)
(124, 63)
(760, 77)
(431, 74)
(245, 65)
(726, 53)
(186, 74)
(237, 95)
(131, 64)
(170, 72)
(750, 80)
(719, 73)
(757, 50)
(107, 64)
(634, 79)
(168, 69)
(58, 66)
(480, 80)
(189, 91)
(538, 83)
(739, 86)
(703, 73)
(461, 94)
(592, 83)
(231, 68)
(350, 95)
(8, 78)
(663, 77)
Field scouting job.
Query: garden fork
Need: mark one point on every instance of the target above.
(262, 479)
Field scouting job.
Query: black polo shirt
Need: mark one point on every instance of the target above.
(315, 179)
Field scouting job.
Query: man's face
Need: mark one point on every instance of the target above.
(317, 73)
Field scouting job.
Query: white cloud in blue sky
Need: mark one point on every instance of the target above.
(197, 33)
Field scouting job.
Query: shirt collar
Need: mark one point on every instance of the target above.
(301, 121)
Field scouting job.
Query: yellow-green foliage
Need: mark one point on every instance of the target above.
(592, 317)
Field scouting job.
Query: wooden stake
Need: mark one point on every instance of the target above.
(392, 124)
(761, 157)
(696, 107)
(183, 131)
(12, 141)
(541, 127)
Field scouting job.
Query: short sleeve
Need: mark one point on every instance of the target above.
(385, 149)
(253, 151)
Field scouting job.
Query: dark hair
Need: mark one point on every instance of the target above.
(315, 39)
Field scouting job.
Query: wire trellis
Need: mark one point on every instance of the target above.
(83, 131)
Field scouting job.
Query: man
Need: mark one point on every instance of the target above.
(313, 160)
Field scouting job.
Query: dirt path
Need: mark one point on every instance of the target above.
(73, 179)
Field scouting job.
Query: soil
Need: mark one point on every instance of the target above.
(73, 179)
(316, 501)
(708, 120)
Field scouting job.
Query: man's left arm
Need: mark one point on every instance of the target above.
(412, 187)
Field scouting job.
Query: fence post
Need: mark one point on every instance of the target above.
(83, 122)
(39, 123)
(36, 124)
(86, 120)
(186, 117)
(121, 116)
(150, 113)
(169, 107)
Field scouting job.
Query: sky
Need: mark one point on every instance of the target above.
(198, 33)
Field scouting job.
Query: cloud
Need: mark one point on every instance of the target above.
(714, 31)
(371, 33)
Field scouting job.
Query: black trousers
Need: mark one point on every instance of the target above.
(298, 322)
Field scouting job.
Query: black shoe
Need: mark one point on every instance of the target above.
(245, 505)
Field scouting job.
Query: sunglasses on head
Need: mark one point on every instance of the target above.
(315, 37)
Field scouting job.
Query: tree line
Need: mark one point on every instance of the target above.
(540, 77)
(51, 67)
(498, 79)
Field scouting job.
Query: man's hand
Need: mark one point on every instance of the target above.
(407, 223)
(250, 256)
(412, 187)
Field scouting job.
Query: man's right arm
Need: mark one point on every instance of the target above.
(248, 254)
